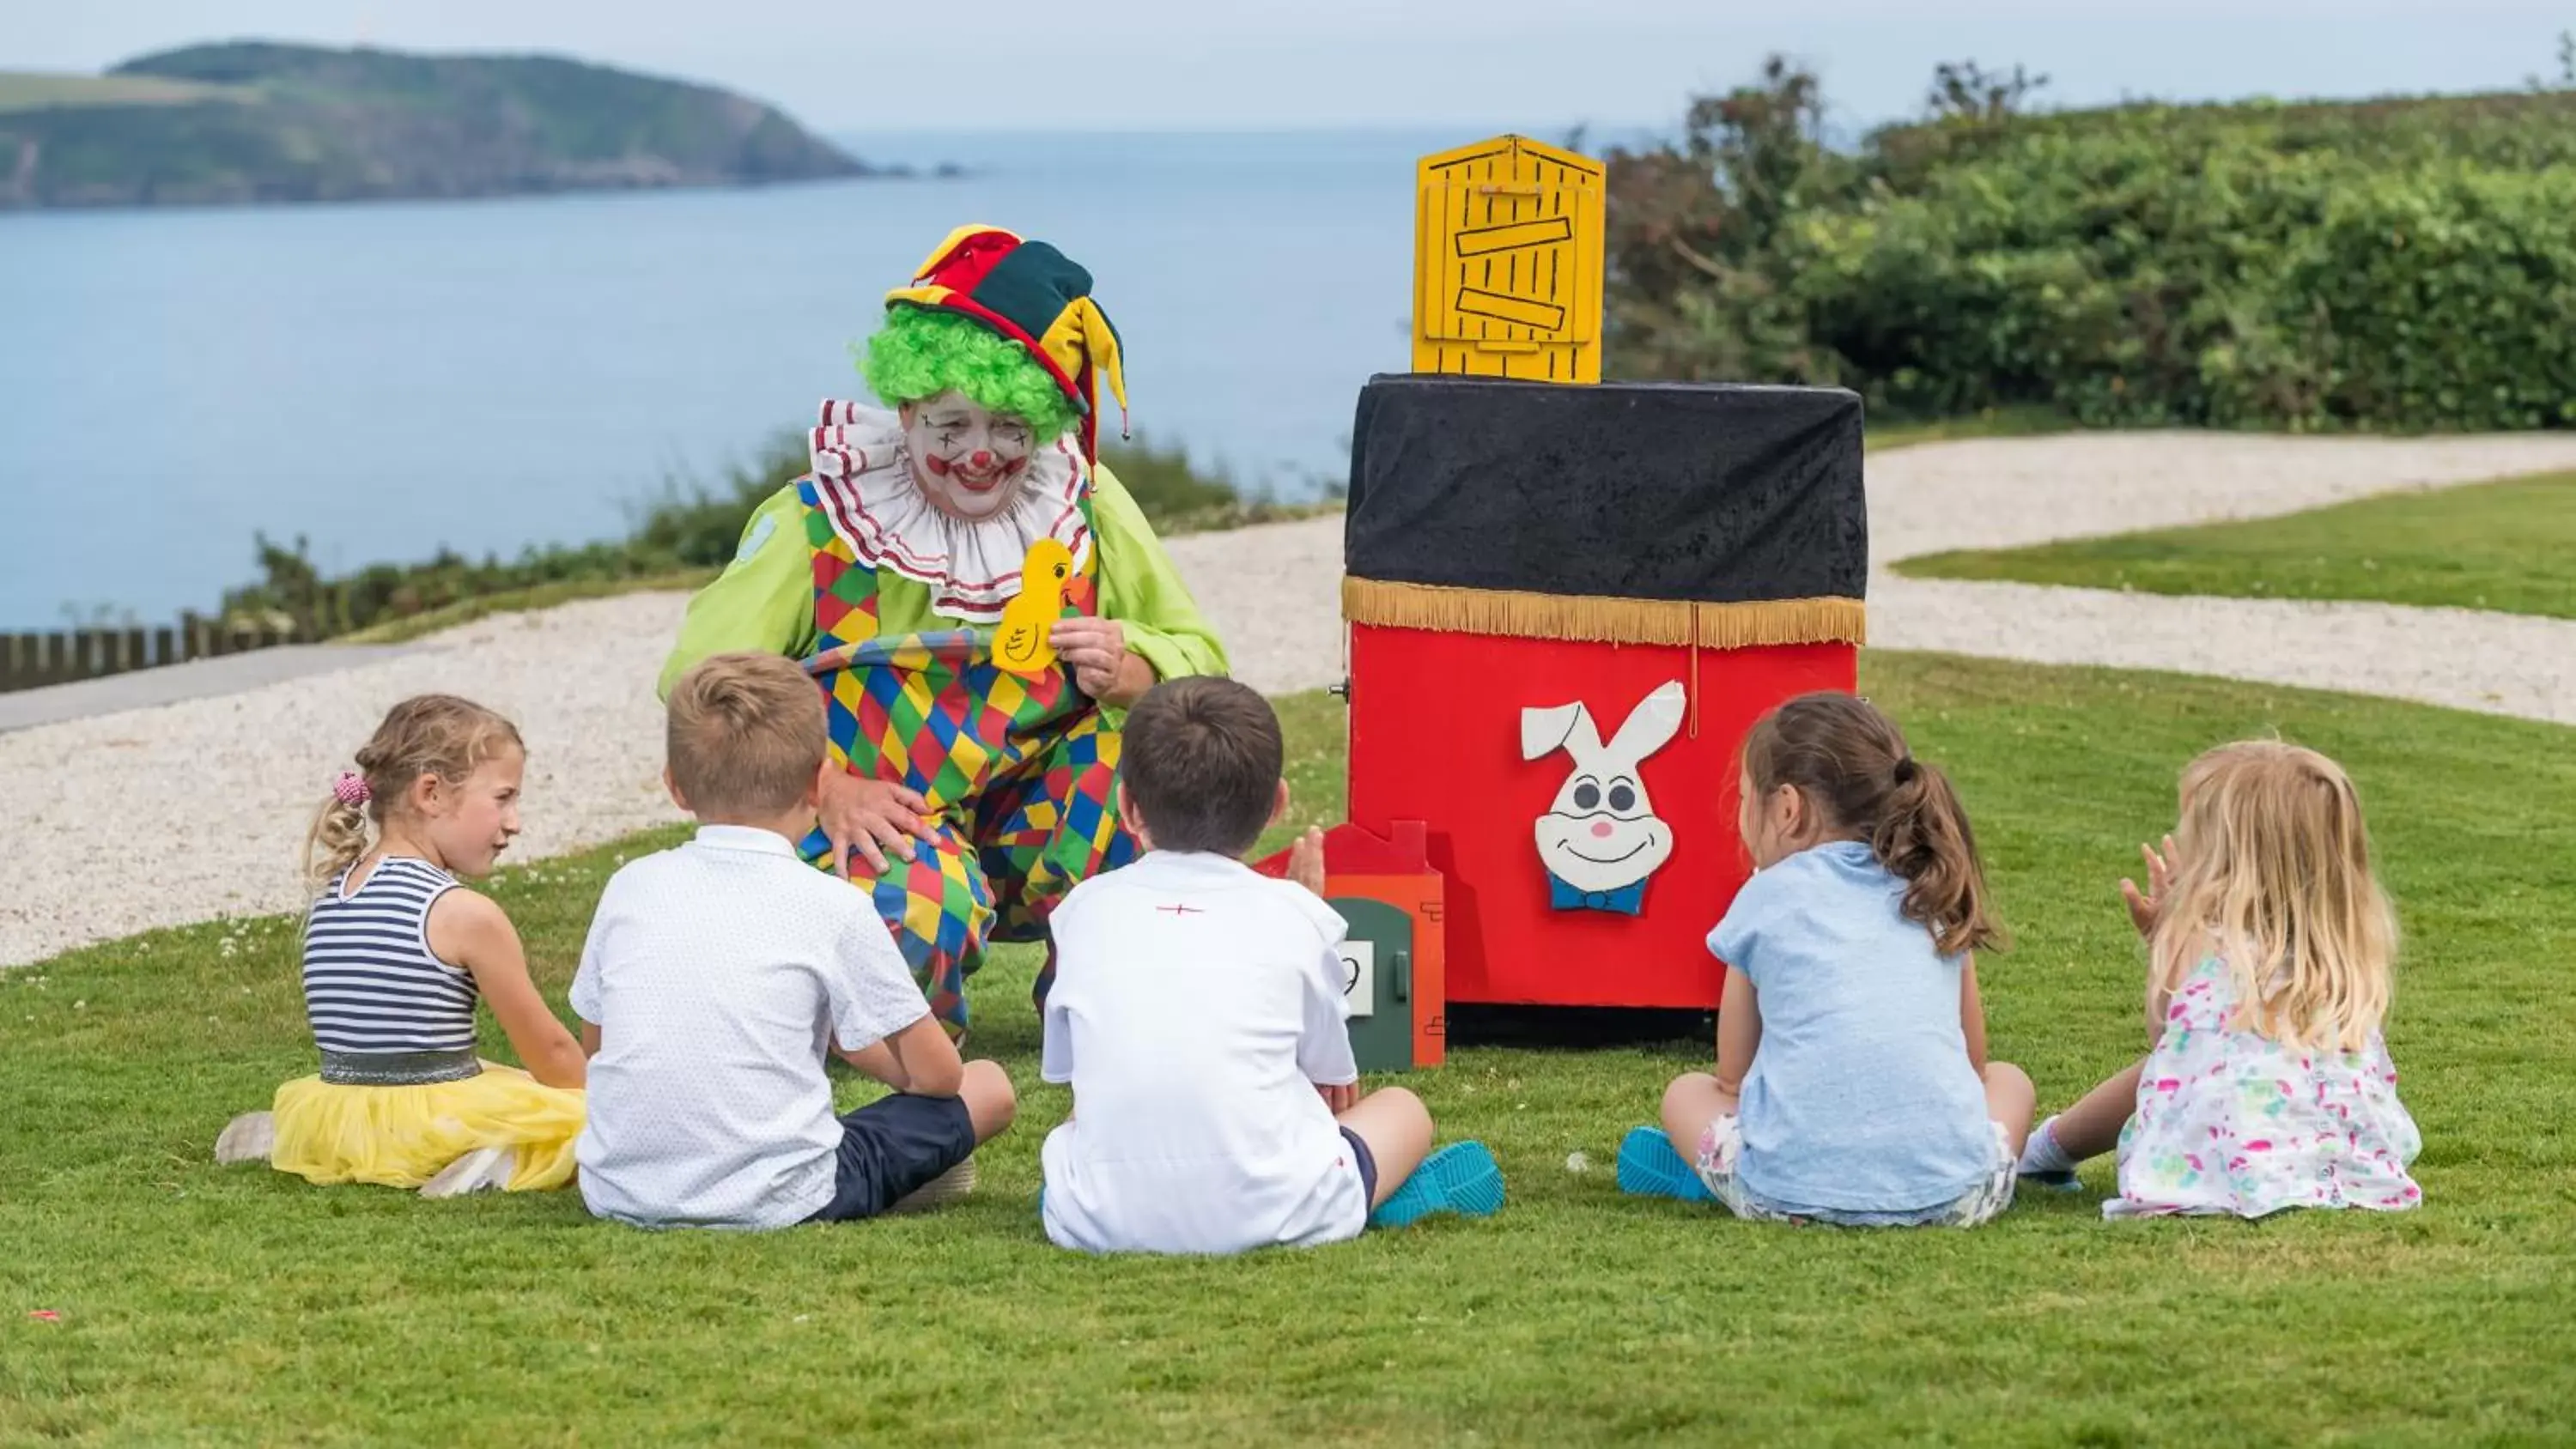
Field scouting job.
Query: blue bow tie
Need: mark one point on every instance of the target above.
(1627, 900)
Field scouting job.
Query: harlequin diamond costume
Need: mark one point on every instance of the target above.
(887, 567)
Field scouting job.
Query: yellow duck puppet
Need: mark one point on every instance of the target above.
(1024, 639)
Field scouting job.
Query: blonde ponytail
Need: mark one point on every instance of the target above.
(338, 840)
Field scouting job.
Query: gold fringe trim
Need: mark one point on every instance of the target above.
(1590, 619)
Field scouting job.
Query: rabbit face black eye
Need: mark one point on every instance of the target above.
(1623, 796)
(1587, 796)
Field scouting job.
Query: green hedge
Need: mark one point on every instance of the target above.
(2391, 265)
(689, 531)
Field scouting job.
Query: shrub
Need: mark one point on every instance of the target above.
(687, 530)
(2388, 264)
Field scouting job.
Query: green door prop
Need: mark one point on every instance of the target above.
(1377, 980)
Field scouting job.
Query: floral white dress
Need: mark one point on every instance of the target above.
(2229, 1121)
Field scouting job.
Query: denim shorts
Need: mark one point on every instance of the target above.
(1724, 1140)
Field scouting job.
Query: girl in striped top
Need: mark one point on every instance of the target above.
(396, 954)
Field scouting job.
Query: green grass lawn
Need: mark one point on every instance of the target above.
(2504, 546)
(241, 1306)
(1887, 435)
(29, 90)
(510, 601)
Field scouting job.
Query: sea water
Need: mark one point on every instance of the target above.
(386, 379)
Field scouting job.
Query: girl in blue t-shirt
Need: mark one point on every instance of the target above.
(1852, 1084)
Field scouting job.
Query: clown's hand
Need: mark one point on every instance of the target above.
(1096, 651)
(877, 818)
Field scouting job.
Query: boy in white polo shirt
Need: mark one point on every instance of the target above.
(719, 973)
(1198, 1014)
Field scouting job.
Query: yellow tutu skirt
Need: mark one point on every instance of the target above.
(402, 1136)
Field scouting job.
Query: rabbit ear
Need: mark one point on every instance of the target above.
(1544, 729)
(1651, 724)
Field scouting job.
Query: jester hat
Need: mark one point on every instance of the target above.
(1036, 296)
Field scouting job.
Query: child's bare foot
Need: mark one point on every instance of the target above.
(250, 1137)
(484, 1169)
(948, 1187)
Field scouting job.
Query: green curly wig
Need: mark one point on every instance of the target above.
(922, 353)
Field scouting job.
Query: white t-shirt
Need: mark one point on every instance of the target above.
(1196, 1005)
(718, 974)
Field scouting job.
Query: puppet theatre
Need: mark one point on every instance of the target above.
(1566, 603)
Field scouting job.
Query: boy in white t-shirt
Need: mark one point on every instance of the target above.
(719, 973)
(1198, 1014)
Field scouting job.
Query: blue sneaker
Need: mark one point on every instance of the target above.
(1649, 1167)
(2053, 1181)
(1459, 1178)
(2043, 1143)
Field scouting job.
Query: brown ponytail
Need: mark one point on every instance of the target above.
(1851, 763)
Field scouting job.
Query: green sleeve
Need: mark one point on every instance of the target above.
(1140, 589)
(763, 601)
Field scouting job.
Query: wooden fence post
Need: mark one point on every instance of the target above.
(30, 659)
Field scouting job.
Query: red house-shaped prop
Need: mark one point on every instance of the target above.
(1394, 869)
(1674, 559)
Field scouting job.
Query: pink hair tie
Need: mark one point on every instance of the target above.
(351, 788)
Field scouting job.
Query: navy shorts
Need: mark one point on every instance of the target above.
(1368, 1163)
(891, 1148)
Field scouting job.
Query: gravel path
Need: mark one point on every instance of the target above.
(2006, 493)
(168, 815)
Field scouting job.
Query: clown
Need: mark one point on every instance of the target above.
(973, 791)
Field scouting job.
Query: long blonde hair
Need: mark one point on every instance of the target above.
(428, 734)
(2272, 873)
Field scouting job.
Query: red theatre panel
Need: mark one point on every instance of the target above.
(1436, 737)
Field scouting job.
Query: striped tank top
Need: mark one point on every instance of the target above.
(384, 1010)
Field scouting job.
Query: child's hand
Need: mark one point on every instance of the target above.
(1306, 860)
(1338, 1100)
(2144, 909)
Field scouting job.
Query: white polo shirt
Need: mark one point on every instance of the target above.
(1196, 1005)
(718, 974)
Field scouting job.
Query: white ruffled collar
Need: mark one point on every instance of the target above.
(864, 478)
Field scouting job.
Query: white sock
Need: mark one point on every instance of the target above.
(2041, 1156)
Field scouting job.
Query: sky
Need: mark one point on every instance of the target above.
(855, 66)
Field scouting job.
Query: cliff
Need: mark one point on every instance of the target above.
(258, 122)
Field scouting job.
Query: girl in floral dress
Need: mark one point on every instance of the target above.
(2270, 952)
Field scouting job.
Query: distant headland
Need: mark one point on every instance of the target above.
(257, 122)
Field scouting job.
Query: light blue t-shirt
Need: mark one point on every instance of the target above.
(1861, 1097)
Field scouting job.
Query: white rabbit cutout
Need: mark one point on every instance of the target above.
(1602, 838)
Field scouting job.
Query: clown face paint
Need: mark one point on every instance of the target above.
(968, 459)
